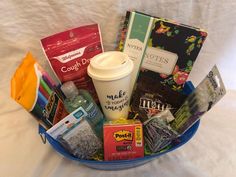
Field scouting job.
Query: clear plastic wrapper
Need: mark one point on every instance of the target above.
(76, 135)
(81, 141)
(157, 133)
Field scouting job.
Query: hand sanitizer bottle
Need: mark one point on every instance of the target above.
(81, 98)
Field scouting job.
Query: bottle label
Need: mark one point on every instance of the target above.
(92, 112)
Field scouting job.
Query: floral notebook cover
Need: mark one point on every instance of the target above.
(171, 51)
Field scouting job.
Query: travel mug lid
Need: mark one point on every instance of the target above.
(110, 65)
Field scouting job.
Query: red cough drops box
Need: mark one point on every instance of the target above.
(123, 139)
(69, 54)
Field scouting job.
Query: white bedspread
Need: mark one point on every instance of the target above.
(212, 151)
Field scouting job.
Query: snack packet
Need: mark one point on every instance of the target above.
(32, 88)
(69, 54)
(149, 100)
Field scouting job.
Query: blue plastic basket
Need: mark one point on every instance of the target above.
(124, 164)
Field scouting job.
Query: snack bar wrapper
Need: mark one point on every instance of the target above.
(33, 89)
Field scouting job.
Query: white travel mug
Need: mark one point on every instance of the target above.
(111, 72)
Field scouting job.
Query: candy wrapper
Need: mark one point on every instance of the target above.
(149, 100)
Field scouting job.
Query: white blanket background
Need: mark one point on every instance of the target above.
(211, 152)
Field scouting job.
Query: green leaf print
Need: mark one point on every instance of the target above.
(176, 31)
(189, 63)
(190, 48)
(169, 33)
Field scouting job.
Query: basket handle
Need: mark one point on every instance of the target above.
(42, 132)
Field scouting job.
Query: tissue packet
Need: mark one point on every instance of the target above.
(75, 135)
(200, 101)
(69, 54)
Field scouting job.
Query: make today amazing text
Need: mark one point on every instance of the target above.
(117, 101)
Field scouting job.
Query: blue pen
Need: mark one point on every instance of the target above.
(41, 101)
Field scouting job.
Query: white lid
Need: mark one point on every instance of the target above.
(110, 65)
(69, 89)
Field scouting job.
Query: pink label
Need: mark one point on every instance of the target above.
(69, 54)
